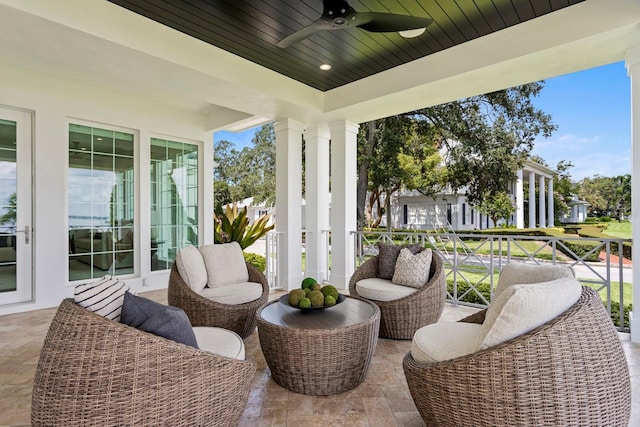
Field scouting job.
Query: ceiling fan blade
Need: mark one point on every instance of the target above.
(378, 22)
(337, 14)
(319, 25)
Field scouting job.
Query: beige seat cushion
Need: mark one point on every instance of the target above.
(191, 267)
(219, 341)
(237, 293)
(382, 290)
(522, 308)
(518, 273)
(444, 341)
(225, 264)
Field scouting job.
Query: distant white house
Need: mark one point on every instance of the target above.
(450, 210)
(410, 209)
(577, 210)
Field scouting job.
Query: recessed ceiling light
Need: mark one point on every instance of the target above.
(325, 67)
(407, 34)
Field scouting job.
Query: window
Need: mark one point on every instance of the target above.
(101, 202)
(174, 200)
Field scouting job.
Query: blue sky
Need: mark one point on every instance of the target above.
(592, 111)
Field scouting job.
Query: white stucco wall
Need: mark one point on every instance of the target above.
(54, 103)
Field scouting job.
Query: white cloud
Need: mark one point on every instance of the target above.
(590, 155)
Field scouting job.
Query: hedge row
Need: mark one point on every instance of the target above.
(596, 232)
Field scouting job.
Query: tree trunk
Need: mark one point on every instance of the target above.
(363, 175)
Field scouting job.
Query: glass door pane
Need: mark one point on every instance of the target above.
(101, 202)
(15, 207)
(174, 200)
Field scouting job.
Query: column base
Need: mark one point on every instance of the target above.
(634, 323)
(340, 282)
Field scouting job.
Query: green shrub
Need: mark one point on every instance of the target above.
(580, 249)
(605, 219)
(615, 313)
(258, 261)
(471, 297)
(596, 232)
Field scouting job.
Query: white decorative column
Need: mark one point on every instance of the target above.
(343, 201)
(316, 212)
(542, 197)
(550, 207)
(633, 70)
(289, 201)
(519, 200)
(532, 200)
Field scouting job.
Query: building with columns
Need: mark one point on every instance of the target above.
(108, 108)
(449, 210)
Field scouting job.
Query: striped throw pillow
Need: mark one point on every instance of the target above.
(104, 296)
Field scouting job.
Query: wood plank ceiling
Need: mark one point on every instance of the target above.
(252, 28)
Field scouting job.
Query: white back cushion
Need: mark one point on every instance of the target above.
(518, 273)
(522, 308)
(224, 263)
(191, 267)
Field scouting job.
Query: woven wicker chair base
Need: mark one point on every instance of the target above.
(401, 318)
(96, 372)
(240, 318)
(570, 371)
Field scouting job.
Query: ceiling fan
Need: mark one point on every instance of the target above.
(338, 15)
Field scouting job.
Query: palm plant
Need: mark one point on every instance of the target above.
(233, 226)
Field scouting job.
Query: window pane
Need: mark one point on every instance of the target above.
(174, 200)
(101, 200)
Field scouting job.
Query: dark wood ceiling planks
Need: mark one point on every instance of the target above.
(252, 28)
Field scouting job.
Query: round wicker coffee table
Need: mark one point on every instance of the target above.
(319, 352)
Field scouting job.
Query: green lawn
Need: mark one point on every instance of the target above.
(483, 248)
(615, 288)
(621, 230)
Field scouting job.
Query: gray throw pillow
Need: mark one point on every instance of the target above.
(158, 319)
(388, 255)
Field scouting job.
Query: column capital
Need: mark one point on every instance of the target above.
(320, 132)
(632, 58)
(284, 124)
(344, 125)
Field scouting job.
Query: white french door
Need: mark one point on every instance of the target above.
(15, 207)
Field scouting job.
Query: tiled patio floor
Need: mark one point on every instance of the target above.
(382, 400)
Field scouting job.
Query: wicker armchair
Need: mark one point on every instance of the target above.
(240, 318)
(96, 372)
(570, 371)
(400, 318)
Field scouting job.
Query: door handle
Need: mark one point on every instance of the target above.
(26, 234)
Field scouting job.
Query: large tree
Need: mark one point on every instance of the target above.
(607, 196)
(487, 137)
(398, 154)
(249, 172)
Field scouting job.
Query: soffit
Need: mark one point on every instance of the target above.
(252, 28)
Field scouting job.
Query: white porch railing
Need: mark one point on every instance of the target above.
(474, 260)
